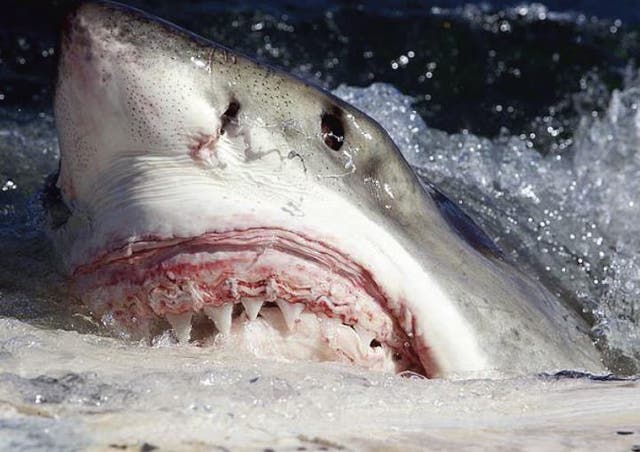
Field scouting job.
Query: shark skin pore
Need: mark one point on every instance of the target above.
(223, 198)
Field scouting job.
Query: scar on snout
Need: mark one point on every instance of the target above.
(294, 154)
(202, 150)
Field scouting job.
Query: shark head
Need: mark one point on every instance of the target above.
(210, 193)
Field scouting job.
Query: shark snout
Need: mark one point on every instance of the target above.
(82, 51)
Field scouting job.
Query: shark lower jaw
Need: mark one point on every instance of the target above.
(270, 291)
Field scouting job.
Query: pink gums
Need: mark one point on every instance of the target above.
(147, 280)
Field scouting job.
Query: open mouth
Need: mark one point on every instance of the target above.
(271, 291)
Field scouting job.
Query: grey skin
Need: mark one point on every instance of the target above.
(518, 326)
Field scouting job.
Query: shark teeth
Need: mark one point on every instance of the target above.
(221, 316)
(181, 324)
(252, 307)
(291, 312)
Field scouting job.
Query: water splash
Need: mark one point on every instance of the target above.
(571, 217)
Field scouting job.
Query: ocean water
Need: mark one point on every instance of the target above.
(527, 115)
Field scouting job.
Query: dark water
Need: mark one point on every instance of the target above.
(526, 83)
(488, 69)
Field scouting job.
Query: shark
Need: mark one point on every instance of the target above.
(224, 201)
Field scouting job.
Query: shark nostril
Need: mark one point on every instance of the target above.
(230, 114)
(332, 130)
(232, 109)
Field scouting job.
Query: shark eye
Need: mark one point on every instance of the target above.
(332, 130)
(53, 203)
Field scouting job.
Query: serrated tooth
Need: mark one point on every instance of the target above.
(291, 312)
(252, 307)
(366, 336)
(221, 316)
(181, 324)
